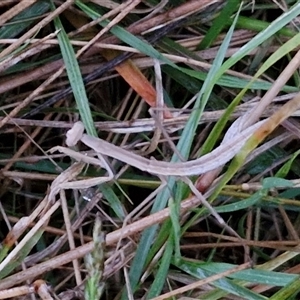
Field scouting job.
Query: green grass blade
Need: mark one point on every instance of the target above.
(198, 270)
(258, 25)
(113, 201)
(75, 77)
(219, 23)
(288, 292)
(162, 273)
(82, 101)
(252, 275)
(183, 146)
(24, 19)
(283, 171)
(17, 261)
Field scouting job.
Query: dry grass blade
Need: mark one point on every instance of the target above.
(79, 252)
(15, 10)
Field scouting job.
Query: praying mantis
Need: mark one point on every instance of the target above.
(210, 161)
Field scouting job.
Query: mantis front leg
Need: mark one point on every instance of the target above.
(86, 183)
